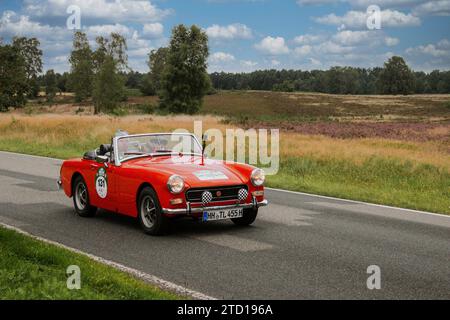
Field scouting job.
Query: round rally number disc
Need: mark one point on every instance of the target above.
(101, 183)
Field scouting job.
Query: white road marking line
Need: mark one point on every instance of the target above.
(30, 155)
(359, 202)
(233, 242)
(160, 283)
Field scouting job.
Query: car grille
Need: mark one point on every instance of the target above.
(226, 193)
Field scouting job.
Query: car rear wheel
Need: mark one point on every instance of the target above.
(81, 198)
(248, 218)
(150, 214)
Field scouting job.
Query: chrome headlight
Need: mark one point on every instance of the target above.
(258, 177)
(175, 184)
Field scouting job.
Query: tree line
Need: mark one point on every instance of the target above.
(394, 78)
(177, 74)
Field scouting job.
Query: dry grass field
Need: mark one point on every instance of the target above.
(391, 150)
(278, 107)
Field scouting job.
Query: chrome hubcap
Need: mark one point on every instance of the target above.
(148, 211)
(81, 196)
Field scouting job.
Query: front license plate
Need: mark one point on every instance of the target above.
(215, 215)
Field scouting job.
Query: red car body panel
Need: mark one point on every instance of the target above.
(126, 181)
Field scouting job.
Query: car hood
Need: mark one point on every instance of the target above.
(195, 172)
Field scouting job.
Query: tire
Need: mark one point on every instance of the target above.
(81, 199)
(248, 218)
(149, 213)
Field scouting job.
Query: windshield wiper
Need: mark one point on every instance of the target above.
(135, 153)
(165, 151)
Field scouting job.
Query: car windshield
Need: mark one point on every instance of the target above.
(156, 145)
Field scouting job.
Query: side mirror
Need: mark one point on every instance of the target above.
(101, 159)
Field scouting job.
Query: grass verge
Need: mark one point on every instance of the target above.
(31, 269)
(376, 180)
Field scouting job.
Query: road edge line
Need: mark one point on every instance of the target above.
(358, 202)
(148, 278)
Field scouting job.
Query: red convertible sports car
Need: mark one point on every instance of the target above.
(145, 176)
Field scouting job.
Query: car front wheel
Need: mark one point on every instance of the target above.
(150, 214)
(248, 218)
(81, 199)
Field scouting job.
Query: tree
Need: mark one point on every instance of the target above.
(28, 48)
(133, 79)
(396, 77)
(115, 47)
(13, 78)
(152, 81)
(185, 80)
(110, 61)
(82, 67)
(286, 86)
(62, 81)
(50, 85)
(108, 86)
(157, 63)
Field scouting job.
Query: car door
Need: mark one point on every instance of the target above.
(127, 185)
(102, 185)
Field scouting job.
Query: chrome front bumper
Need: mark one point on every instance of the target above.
(189, 210)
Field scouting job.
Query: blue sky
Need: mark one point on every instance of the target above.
(247, 35)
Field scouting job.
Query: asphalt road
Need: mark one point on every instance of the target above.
(301, 246)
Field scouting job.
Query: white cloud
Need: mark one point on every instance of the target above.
(303, 50)
(56, 42)
(444, 44)
(330, 47)
(153, 30)
(273, 46)
(315, 62)
(435, 8)
(219, 57)
(315, 2)
(12, 24)
(430, 56)
(348, 37)
(232, 31)
(384, 3)
(390, 41)
(275, 62)
(440, 49)
(117, 11)
(362, 4)
(359, 48)
(249, 63)
(307, 39)
(357, 19)
(107, 29)
(367, 38)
